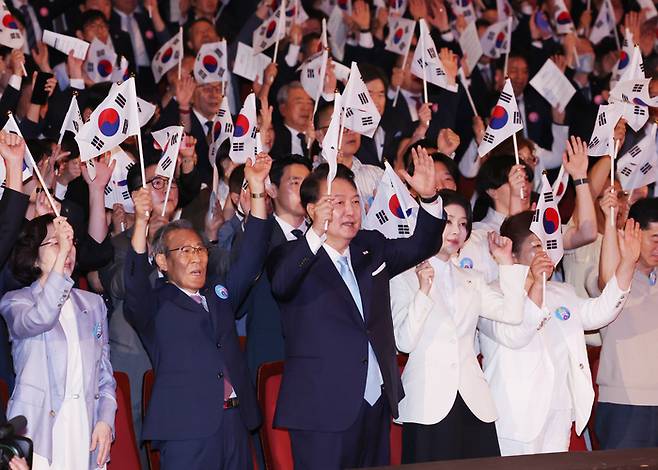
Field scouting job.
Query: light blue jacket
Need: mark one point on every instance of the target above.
(39, 350)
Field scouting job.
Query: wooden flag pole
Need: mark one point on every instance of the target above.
(468, 93)
(613, 156)
(282, 17)
(35, 168)
(180, 59)
(516, 157)
(422, 44)
(397, 90)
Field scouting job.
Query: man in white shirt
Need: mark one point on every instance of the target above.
(296, 108)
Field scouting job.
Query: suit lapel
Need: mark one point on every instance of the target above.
(335, 283)
(360, 264)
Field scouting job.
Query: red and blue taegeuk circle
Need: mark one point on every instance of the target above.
(463, 3)
(397, 37)
(166, 55)
(8, 21)
(542, 21)
(343, 4)
(241, 126)
(108, 122)
(104, 67)
(551, 220)
(291, 12)
(623, 60)
(395, 4)
(499, 118)
(500, 39)
(210, 63)
(396, 208)
(271, 27)
(639, 101)
(563, 18)
(216, 130)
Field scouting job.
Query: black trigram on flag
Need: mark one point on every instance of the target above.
(130, 165)
(76, 126)
(382, 218)
(535, 216)
(551, 244)
(349, 113)
(310, 73)
(166, 163)
(491, 35)
(517, 118)
(228, 127)
(638, 87)
(366, 121)
(363, 97)
(548, 196)
(125, 126)
(635, 151)
(100, 53)
(221, 71)
(14, 35)
(90, 67)
(98, 143)
(108, 190)
(642, 66)
(253, 133)
(488, 138)
(431, 52)
(125, 194)
(221, 112)
(218, 52)
(626, 171)
(238, 146)
(120, 100)
(505, 97)
(594, 142)
(646, 168)
(420, 62)
(602, 119)
(624, 98)
(404, 230)
(439, 72)
(639, 110)
(202, 73)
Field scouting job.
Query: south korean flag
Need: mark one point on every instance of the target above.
(73, 120)
(494, 41)
(639, 166)
(167, 56)
(504, 122)
(116, 191)
(112, 122)
(10, 33)
(211, 63)
(101, 62)
(243, 143)
(359, 112)
(400, 34)
(312, 74)
(426, 64)
(168, 140)
(562, 18)
(546, 222)
(272, 29)
(464, 8)
(222, 130)
(606, 120)
(28, 161)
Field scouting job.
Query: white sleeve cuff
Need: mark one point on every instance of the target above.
(78, 83)
(453, 88)
(448, 37)
(365, 40)
(328, 97)
(292, 55)
(434, 209)
(15, 82)
(60, 191)
(314, 240)
(390, 93)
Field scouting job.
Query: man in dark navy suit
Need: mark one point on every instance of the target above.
(341, 382)
(203, 402)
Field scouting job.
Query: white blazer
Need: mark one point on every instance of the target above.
(518, 367)
(442, 359)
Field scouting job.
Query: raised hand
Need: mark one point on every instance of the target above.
(17, 62)
(321, 213)
(119, 219)
(630, 243)
(361, 15)
(185, 88)
(517, 179)
(609, 200)
(425, 273)
(143, 204)
(500, 248)
(40, 56)
(438, 15)
(74, 66)
(541, 264)
(450, 65)
(103, 173)
(478, 129)
(418, 9)
(12, 149)
(575, 158)
(447, 141)
(64, 237)
(255, 173)
(423, 179)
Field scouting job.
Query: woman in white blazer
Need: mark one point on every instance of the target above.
(447, 411)
(538, 371)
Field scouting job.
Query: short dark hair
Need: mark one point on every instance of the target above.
(89, 16)
(236, 179)
(493, 173)
(450, 197)
(517, 229)
(424, 143)
(222, 154)
(310, 189)
(23, 261)
(322, 109)
(370, 72)
(134, 177)
(280, 164)
(160, 238)
(644, 212)
(439, 157)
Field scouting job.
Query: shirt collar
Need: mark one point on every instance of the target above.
(286, 227)
(334, 255)
(187, 292)
(202, 119)
(294, 132)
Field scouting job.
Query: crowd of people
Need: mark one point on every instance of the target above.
(110, 262)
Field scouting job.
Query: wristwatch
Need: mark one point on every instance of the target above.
(429, 200)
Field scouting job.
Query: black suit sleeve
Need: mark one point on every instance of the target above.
(12, 211)
(139, 301)
(287, 267)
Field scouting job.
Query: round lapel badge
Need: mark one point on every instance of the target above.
(221, 292)
(466, 263)
(562, 313)
(652, 278)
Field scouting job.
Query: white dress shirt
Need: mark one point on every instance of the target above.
(35, 22)
(129, 25)
(287, 228)
(295, 141)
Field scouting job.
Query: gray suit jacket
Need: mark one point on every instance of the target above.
(40, 354)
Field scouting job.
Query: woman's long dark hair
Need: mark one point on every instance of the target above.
(23, 261)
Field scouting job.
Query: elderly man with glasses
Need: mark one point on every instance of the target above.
(203, 402)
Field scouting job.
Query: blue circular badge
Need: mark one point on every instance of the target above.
(221, 291)
(466, 263)
(562, 313)
(652, 278)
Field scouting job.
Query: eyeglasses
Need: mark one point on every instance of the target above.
(188, 251)
(55, 242)
(159, 183)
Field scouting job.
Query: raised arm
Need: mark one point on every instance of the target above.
(609, 259)
(585, 230)
(410, 308)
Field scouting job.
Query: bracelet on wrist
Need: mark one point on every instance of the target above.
(429, 200)
(258, 195)
(580, 181)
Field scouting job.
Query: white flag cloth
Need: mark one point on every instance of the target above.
(648, 7)
(337, 30)
(66, 44)
(115, 119)
(606, 120)
(331, 138)
(395, 7)
(10, 34)
(562, 18)
(360, 113)
(551, 83)
(494, 40)
(116, 191)
(211, 63)
(428, 60)
(637, 167)
(505, 121)
(393, 212)
(469, 42)
(243, 144)
(73, 120)
(546, 223)
(272, 29)
(167, 56)
(605, 23)
(560, 184)
(249, 65)
(222, 129)
(634, 91)
(625, 55)
(169, 140)
(101, 61)
(464, 8)
(312, 74)
(145, 110)
(400, 34)
(28, 160)
(121, 73)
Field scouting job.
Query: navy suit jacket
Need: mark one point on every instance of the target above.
(191, 350)
(326, 339)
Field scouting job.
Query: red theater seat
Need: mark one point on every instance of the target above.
(124, 454)
(152, 455)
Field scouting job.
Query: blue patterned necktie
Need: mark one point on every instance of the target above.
(373, 378)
